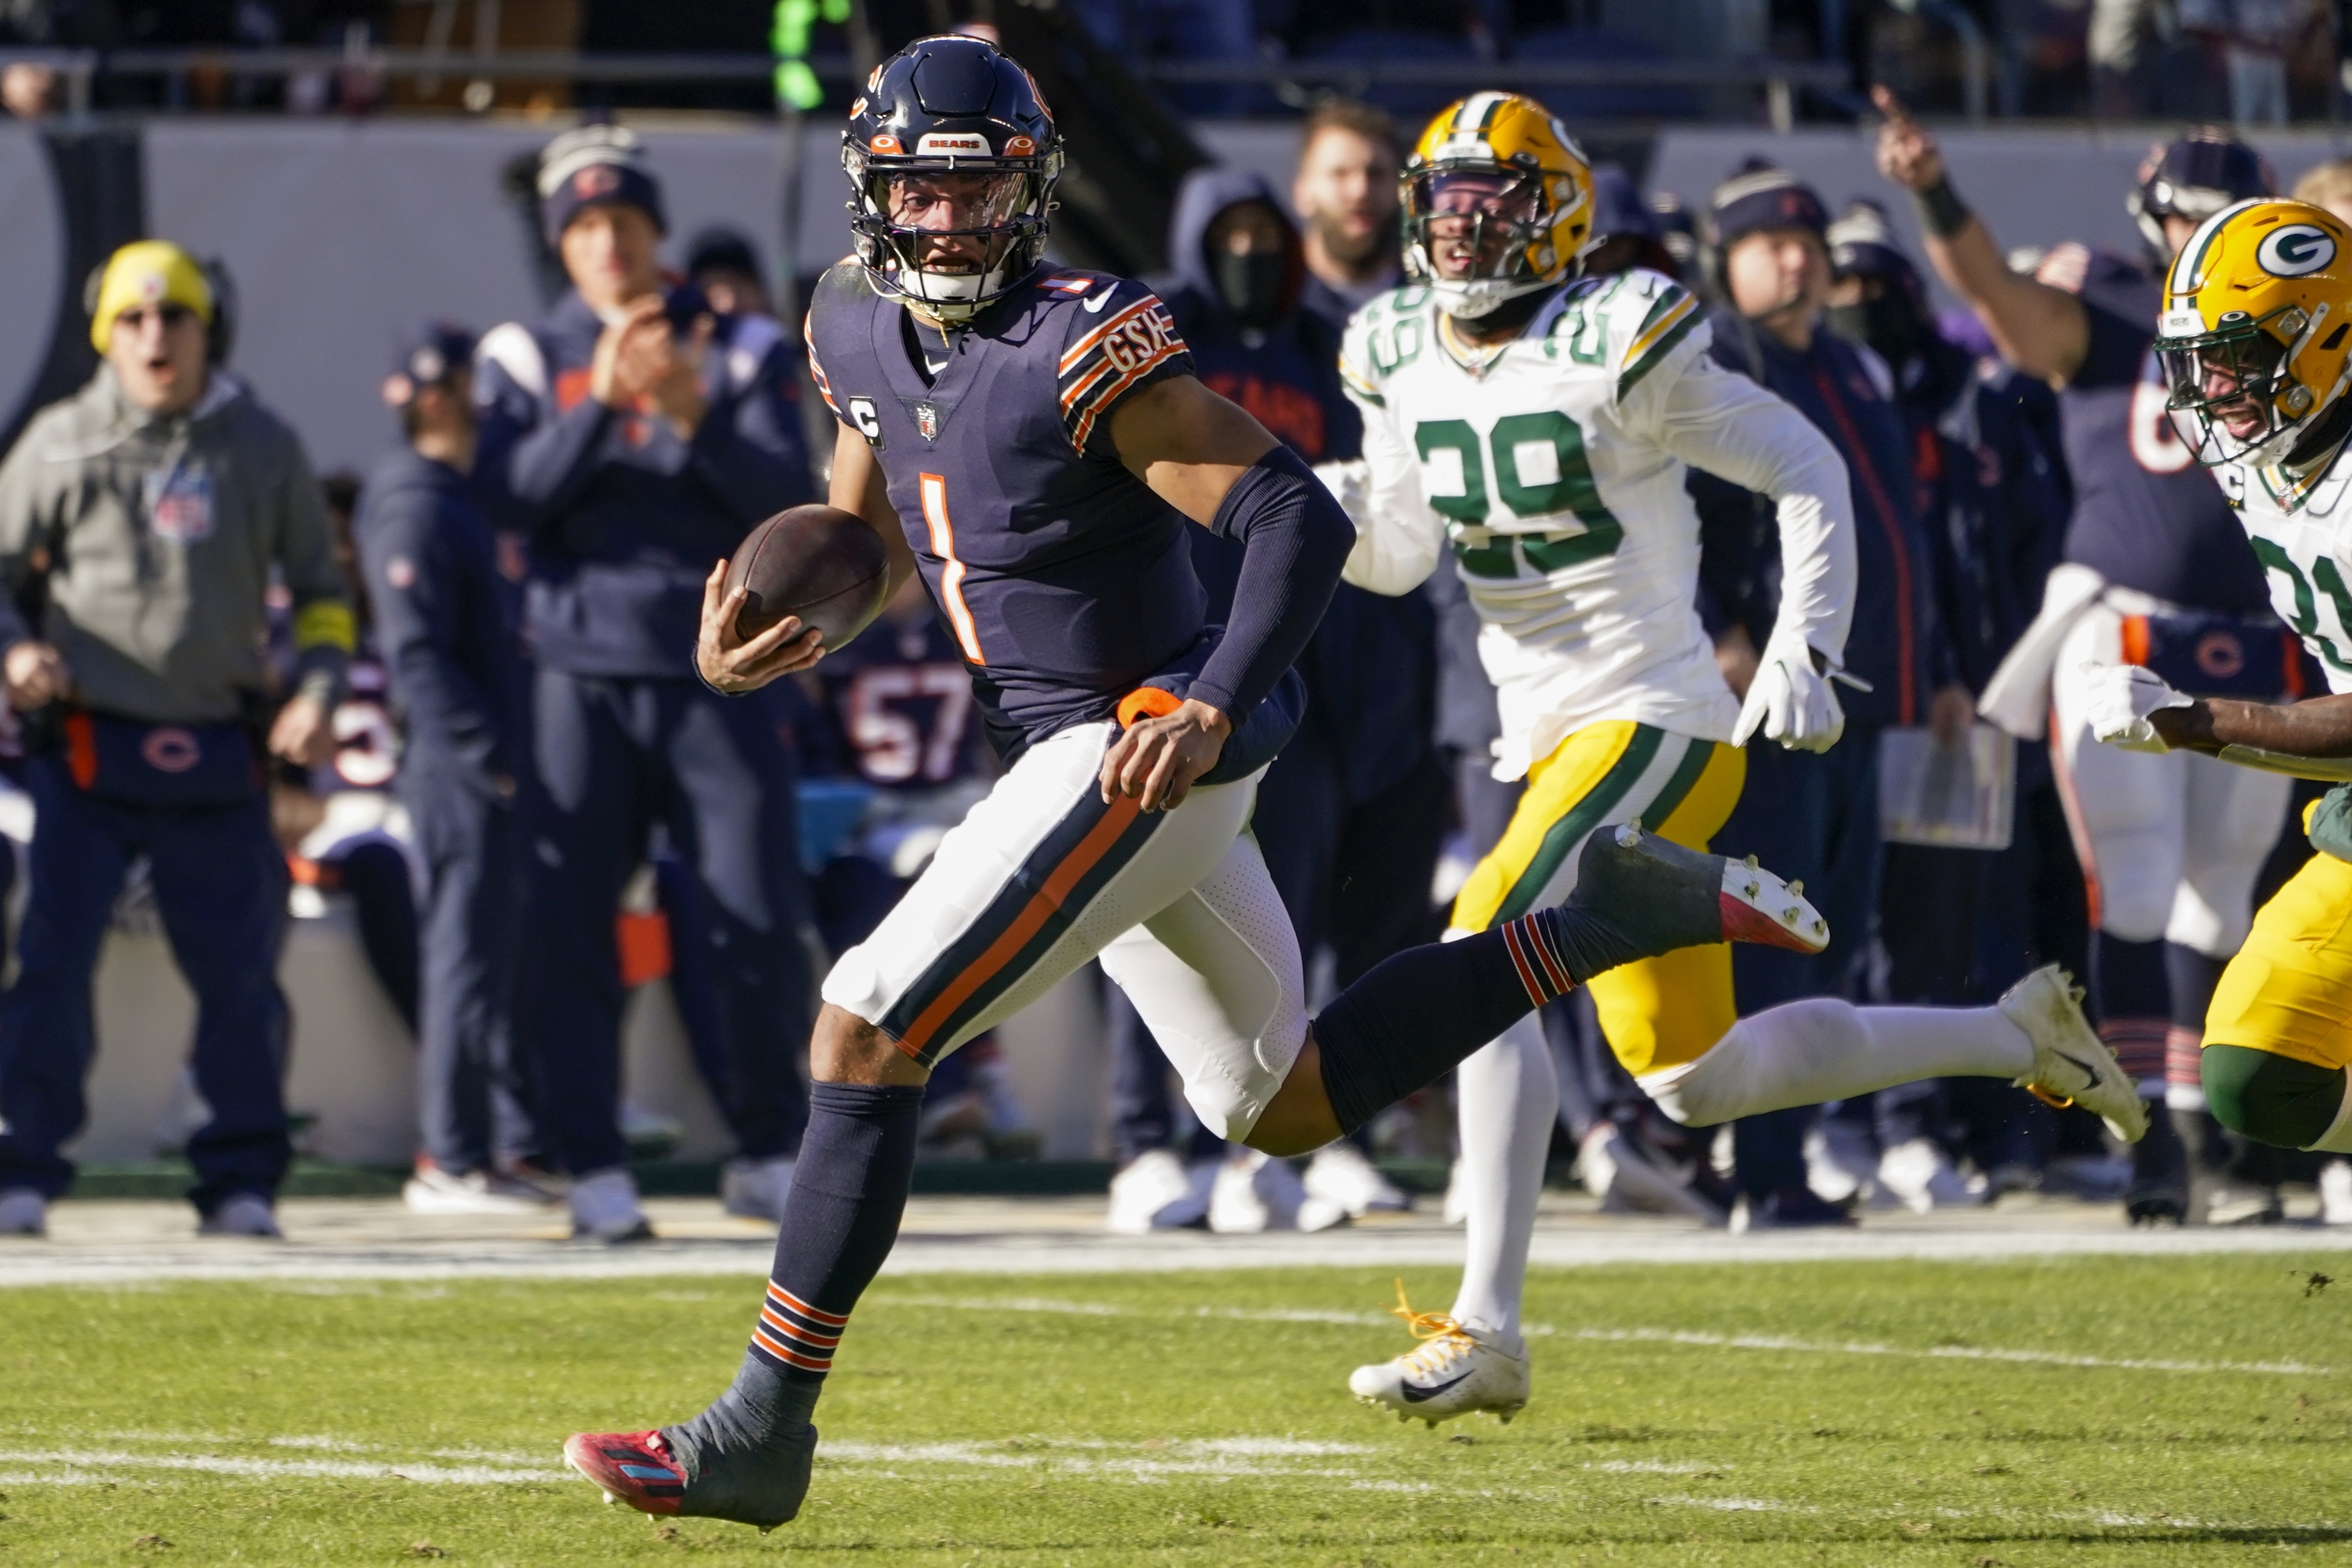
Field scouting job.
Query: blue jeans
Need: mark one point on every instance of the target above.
(220, 886)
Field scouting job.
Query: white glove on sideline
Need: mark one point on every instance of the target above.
(1790, 700)
(2117, 699)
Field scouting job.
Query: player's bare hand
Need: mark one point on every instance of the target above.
(1907, 153)
(37, 676)
(1736, 656)
(303, 734)
(1156, 760)
(733, 663)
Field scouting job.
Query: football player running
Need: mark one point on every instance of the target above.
(2253, 341)
(1539, 422)
(1030, 439)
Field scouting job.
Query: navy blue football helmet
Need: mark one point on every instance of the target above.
(951, 156)
(2194, 177)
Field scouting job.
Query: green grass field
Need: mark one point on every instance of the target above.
(1864, 1414)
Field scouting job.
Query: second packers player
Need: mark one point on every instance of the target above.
(1538, 422)
(2253, 343)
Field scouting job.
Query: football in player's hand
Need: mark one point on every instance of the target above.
(819, 562)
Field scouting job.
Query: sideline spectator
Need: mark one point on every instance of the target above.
(636, 437)
(1345, 193)
(722, 263)
(446, 621)
(153, 506)
(1817, 814)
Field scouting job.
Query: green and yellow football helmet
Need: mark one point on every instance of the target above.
(1501, 161)
(2255, 337)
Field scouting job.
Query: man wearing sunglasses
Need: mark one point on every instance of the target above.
(149, 511)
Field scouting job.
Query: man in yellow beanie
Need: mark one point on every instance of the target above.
(146, 514)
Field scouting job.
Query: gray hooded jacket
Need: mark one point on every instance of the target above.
(158, 534)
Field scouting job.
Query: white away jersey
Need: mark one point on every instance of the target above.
(2305, 554)
(1556, 476)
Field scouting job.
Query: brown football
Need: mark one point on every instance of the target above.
(819, 562)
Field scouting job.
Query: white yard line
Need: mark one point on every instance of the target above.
(1768, 1342)
(115, 1261)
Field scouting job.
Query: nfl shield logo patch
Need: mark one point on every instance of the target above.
(927, 421)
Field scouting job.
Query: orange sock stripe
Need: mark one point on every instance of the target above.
(1527, 970)
(793, 1331)
(790, 1302)
(1562, 981)
(789, 1356)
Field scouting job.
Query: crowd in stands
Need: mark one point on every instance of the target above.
(461, 692)
(2256, 62)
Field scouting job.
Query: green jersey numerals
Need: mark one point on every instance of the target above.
(1572, 490)
(2306, 619)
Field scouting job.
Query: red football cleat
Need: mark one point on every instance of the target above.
(633, 1468)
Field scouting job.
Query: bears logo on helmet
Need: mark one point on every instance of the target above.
(955, 223)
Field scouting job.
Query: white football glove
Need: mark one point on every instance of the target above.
(2117, 699)
(1790, 700)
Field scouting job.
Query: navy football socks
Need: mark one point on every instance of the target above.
(1418, 1013)
(840, 1219)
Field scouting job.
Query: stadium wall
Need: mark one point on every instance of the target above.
(340, 234)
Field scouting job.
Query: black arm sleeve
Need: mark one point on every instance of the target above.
(1295, 538)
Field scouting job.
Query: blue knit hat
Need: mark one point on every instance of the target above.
(1761, 194)
(593, 166)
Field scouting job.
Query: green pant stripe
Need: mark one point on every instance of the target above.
(1582, 817)
(1684, 780)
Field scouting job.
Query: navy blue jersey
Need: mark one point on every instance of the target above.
(898, 708)
(1066, 582)
(2145, 516)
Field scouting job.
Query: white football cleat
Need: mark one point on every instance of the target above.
(24, 1212)
(1154, 1191)
(755, 1189)
(1340, 1175)
(2071, 1064)
(1458, 1369)
(1255, 1192)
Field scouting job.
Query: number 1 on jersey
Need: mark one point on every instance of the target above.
(934, 488)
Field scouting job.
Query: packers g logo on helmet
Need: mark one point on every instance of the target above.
(2253, 337)
(1501, 162)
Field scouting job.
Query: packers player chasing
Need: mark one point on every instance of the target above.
(1538, 422)
(2256, 341)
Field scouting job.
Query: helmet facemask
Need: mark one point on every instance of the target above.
(2235, 396)
(1497, 213)
(951, 235)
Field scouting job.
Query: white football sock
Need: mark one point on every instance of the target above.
(1821, 1049)
(1507, 1096)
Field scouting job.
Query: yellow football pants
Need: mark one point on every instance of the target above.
(1658, 1011)
(2289, 990)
